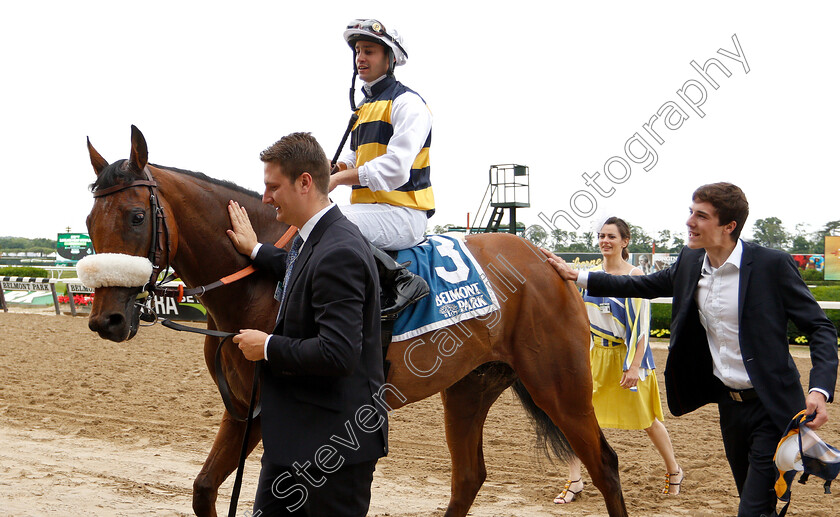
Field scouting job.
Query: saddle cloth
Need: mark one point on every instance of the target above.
(459, 290)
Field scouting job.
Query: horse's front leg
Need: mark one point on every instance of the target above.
(221, 462)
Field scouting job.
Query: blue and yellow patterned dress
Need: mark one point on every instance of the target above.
(615, 325)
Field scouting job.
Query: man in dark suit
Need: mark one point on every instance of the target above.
(322, 428)
(731, 304)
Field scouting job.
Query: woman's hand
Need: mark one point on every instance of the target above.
(630, 378)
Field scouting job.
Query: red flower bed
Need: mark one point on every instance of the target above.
(78, 299)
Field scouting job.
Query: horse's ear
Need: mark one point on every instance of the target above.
(96, 159)
(139, 152)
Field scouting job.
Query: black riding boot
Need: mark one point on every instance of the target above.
(400, 287)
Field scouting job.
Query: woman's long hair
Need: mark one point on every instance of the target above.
(623, 230)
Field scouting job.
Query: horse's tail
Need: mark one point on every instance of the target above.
(550, 440)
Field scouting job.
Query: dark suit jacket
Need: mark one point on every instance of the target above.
(770, 292)
(325, 357)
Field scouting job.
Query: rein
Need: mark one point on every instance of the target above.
(160, 231)
(179, 293)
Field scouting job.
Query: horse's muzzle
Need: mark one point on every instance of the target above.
(114, 316)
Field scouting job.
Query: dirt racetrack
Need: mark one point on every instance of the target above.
(91, 427)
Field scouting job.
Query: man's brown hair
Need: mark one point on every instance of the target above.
(298, 153)
(729, 201)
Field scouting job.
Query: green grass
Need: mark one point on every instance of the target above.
(24, 271)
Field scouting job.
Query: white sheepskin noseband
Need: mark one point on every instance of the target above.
(114, 270)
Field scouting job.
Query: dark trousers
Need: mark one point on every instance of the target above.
(312, 493)
(750, 439)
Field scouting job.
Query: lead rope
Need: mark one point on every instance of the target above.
(243, 453)
(224, 390)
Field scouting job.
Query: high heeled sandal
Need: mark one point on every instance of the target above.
(669, 483)
(561, 499)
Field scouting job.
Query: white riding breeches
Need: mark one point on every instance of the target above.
(388, 227)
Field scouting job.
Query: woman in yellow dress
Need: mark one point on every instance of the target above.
(624, 388)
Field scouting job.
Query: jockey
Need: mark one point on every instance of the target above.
(388, 161)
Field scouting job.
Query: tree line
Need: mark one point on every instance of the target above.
(22, 244)
(769, 232)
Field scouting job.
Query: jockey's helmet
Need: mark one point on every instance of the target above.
(374, 30)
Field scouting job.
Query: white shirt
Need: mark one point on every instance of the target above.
(412, 122)
(304, 232)
(717, 301)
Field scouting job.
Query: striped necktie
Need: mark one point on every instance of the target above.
(290, 263)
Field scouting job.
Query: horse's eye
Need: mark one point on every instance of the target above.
(138, 218)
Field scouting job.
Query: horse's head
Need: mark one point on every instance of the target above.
(126, 228)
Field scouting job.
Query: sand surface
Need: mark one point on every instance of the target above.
(91, 427)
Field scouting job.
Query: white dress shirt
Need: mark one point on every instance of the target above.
(717, 301)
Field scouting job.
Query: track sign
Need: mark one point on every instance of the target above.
(72, 247)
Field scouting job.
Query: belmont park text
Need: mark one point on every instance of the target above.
(463, 296)
(639, 148)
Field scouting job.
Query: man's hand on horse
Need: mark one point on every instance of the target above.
(242, 234)
(563, 269)
(252, 343)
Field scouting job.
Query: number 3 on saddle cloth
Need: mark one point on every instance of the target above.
(459, 289)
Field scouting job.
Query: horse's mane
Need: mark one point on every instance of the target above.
(116, 173)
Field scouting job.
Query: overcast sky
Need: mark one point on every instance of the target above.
(560, 87)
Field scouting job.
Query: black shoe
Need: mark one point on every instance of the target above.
(400, 287)
(408, 288)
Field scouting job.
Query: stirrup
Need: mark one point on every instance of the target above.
(561, 498)
(669, 484)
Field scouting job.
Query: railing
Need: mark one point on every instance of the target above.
(481, 214)
(823, 305)
(55, 271)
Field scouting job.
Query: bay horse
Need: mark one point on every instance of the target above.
(538, 341)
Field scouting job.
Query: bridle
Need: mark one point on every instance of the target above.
(160, 233)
